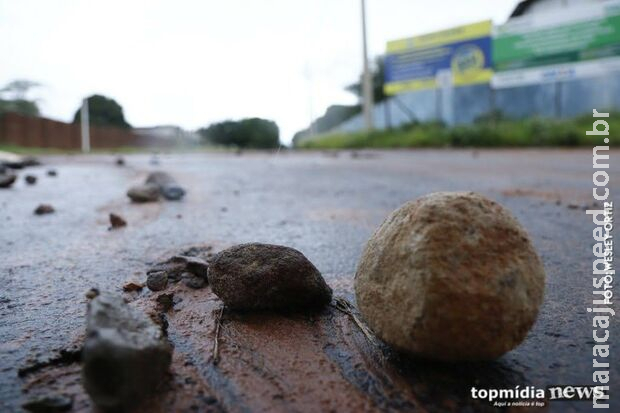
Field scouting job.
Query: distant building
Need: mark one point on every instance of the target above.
(168, 135)
(543, 6)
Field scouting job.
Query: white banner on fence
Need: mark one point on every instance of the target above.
(555, 73)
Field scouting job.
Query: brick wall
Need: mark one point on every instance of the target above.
(38, 132)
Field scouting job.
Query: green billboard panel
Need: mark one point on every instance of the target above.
(574, 35)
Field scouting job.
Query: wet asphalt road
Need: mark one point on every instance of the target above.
(325, 205)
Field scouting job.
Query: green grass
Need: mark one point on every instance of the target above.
(23, 150)
(487, 133)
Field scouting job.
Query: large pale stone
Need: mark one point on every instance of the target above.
(125, 355)
(450, 276)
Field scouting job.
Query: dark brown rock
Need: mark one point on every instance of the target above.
(132, 286)
(267, 277)
(116, 221)
(450, 276)
(30, 179)
(52, 172)
(44, 209)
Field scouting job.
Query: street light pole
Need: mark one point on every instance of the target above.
(85, 126)
(366, 77)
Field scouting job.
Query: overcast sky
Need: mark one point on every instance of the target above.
(190, 63)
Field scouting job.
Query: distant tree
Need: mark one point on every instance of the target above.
(19, 88)
(21, 106)
(103, 111)
(334, 116)
(378, 79)
(245, 133)
(13, 98)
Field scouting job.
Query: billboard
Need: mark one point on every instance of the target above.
(461, 56)
(576, 42)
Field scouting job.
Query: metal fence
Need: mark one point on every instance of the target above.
(463, 105)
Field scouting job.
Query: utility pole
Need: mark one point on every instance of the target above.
(366, 77)
(85, 126)
(309, 79)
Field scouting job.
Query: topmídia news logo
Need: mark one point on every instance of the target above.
(531, 396)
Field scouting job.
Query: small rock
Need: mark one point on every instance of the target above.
(157, 281)
(143, 193)
(30, 179)
(6, 180)
(451, 276)
(203, 251)
(174, 267)
(572, 205)
(197, 266)
(52, 172)
(125, 356)
(92, 293)
(120, 161)
(165, 301)
(132, 286)
(193, 281)
(168, 187)
(116, 221)
(44, 209)
(49, 404)
(22, 162)
(271, 277)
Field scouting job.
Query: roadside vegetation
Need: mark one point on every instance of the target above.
(252, 133)
(491, 130)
